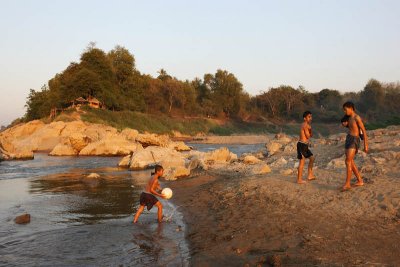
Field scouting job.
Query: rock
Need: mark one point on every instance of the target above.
(23, 219)
(63, 150)
(337, 163)
(251, 160)
(290, 147)
(125, 162)
(261, 169)
(130, 134)
(287, 172)
(151, 155)
(379, 160)
(283, 138)
(153, 140)
(279, 162)
(221, 155)
(93, 176)
(195, 163)
(273, 148)
(78, 141)
(173, 173)
(111, 146)
(179, 146)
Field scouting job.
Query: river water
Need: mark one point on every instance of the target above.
(78, 221)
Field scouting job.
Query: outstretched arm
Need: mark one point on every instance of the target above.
(362, 127)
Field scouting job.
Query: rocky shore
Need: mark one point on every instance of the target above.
(247, 210)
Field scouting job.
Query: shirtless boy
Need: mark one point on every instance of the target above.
(352, 144)
(147, 198)
(303, 151)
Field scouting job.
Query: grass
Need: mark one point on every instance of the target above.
(163, 124)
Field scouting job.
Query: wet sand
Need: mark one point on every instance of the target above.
(234, 220)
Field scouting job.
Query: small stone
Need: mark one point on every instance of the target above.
(23, 219)
(93, 175)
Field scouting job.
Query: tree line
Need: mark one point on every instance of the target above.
(112, 78)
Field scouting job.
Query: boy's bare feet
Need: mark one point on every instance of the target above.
(359, 184)
(301, 182)
(345, 188)
(311, 178)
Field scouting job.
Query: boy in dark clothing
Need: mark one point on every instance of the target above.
(352, 144)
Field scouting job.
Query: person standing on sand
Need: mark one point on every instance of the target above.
(147, 198)
(352, 144)
(303, 152)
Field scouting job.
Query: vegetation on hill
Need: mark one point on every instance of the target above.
(136, 98)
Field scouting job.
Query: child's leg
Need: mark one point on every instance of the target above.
(349, 158)
(159, 214)
(357, 174)
(310, 175)
(139, 211)
(300, 171)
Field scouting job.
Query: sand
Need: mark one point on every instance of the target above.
(237, 219)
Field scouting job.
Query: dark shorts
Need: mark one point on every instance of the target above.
(303, 151)
(352, 142)
(148, 200)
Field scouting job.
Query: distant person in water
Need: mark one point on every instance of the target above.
(147, 198)
(303, 151)
(352, 144)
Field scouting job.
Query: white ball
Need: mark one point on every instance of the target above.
(167, 192)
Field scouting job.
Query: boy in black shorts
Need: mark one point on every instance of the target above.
(303, 151)
(147, 198)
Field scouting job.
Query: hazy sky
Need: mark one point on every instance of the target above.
(317, 44)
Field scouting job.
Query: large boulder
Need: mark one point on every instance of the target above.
(221, 155)
(151, 155)
(153, 140)
(114, 146)
(125, 162)
(173, 162)
(63, 150)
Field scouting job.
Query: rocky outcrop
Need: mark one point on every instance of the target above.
(70, 139)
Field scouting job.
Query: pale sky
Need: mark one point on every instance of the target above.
(318, 44)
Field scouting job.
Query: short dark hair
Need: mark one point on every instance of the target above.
(306, 113)
(349, 104)
(157, 168)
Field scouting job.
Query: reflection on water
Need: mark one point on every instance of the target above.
(80, 221)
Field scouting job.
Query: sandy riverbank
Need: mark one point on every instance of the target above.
(234, 220)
